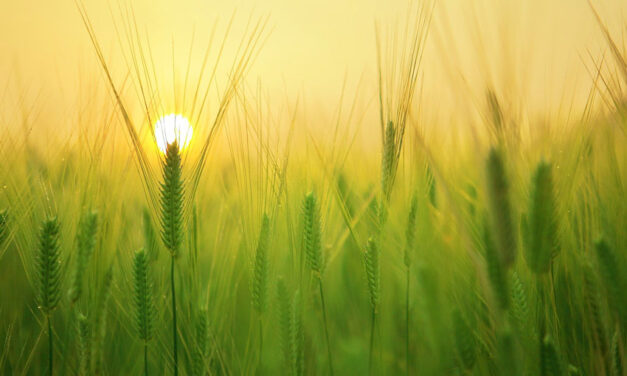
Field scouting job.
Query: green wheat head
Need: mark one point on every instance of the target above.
(260, 272)
(520, 304)
(172, 201)
(312, 233)
(540, 227)
(86, 241)
(200, 352)
(388, 160)
(373, 271)
(84, 344)
(500, 208)
(144, 307)
(410, 230)
(49, 266)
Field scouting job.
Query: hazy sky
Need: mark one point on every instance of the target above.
(540, 46)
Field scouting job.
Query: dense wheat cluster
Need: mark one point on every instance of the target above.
(494, 247)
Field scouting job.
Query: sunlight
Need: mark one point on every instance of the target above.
(170, 128)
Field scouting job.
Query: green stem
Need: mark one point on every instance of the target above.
(326, 328)
(145, 358)
(407, 323)
(176, 358)
(372, 323)
(50, 348)
(260, 345)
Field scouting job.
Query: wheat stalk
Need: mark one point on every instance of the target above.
(144, 308)
(172, 225)
(49, 277)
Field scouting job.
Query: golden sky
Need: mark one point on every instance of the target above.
(536, 49)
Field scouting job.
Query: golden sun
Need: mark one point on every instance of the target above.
(170, 128)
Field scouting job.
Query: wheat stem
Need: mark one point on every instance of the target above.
(50, 346)
(326, 328)
(174, 339)
(407, 322)
(372, 327)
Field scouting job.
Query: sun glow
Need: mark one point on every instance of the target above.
(170, 128)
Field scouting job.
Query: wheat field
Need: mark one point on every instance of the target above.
(421, 220)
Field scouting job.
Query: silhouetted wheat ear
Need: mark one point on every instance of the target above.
(172, 201)
(200, 352)
(373, 272)
(500, 208)
(410, 230)
(85, 242)
(49, 267)
(496, 272)
(260, 272)
(388, 160)
(84, 344)
(550, 363)
(312, 233)
(540, 227)
(144, 307)
(464, 341)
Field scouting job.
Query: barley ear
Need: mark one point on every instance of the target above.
(49, 267)
(85, 241)
(312, 233)
(144, 307)
(540, 227)
(410, 231)
(200, 352)
(373, 272)
(84, 344)
(260, 272)
(388, 159)
(172, 201)
(500, 208)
